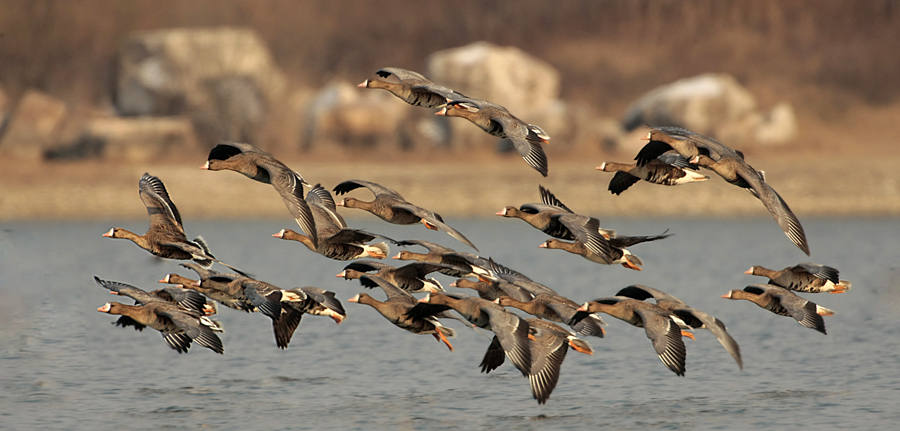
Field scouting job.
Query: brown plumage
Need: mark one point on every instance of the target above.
(336, 240)
(556, 308)
(736, 171)
(667, 170)
(179, 326)
(411, 87)
(389, 206)
(548, 344)
(498, 121)
(554, 218)
(178, 295)
(685, 142)
(410, 277)
(261, 166)
(510, 330)
(657, 322)
(617, 255)
(396, 307)
(804, 277)
(687, 317)
(165, 237)
(784, 303)
(210, 292)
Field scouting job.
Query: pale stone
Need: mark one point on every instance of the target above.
(34, 126)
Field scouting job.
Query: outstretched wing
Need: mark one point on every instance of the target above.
(715, 326)
(526, 141)
(376, 189)
(436, 220)
(159, 206)
(777, 207)
(393, 293)
(666, 337)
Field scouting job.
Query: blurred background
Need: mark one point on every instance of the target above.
(93, 93)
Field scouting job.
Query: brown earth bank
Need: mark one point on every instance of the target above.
(814, 184)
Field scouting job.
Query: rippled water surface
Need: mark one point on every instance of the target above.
(64, 366)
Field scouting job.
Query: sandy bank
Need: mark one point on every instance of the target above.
(103, 190)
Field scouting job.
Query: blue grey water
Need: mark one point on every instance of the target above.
(63, 365)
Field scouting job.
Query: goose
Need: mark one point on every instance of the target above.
(261, 166)
(736, 171)
(684, 142)
(556, 308)
(510, 330)
(411, 87)
(336, 240)
(215, 294)
(657, 322)
(687, 317)
(186, 298)
(498, 121)
(178, 325)
(548, 344)
(804, 277)
(317, 302)
(460, 264)
(552, 217)
(783, 302)
(396, 307)
(410, 277)
(619, 255)
(389, 206)
(165, 238)
(667, 170)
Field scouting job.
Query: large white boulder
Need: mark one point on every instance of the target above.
(715, 105)
(223, 78)
(504, 75)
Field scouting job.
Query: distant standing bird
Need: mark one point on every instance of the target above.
(261, 166)
(411, 87)
(497, 121)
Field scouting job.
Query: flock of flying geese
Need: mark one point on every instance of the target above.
(535, 346)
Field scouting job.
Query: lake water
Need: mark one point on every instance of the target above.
(63, 365)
